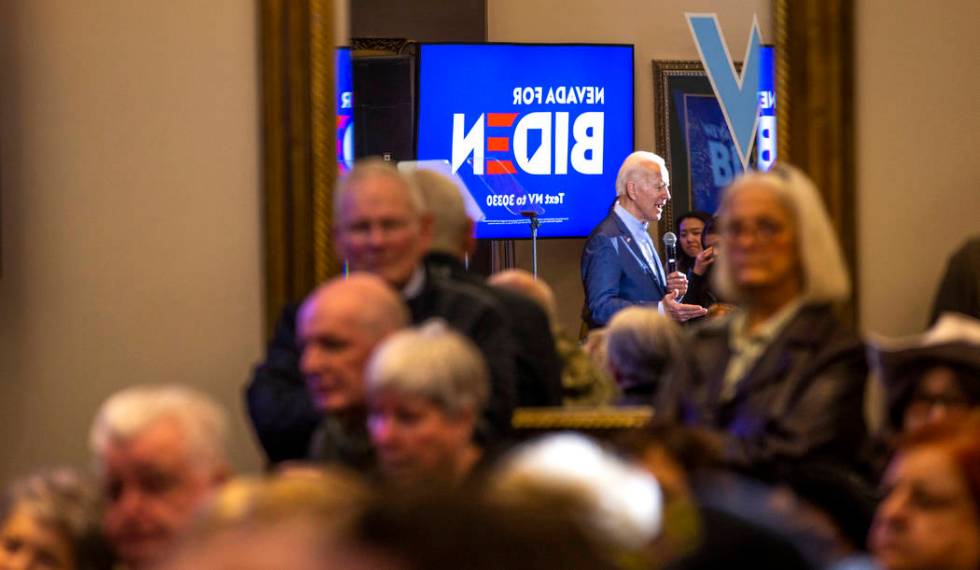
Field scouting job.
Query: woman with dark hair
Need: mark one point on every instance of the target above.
(689, 228)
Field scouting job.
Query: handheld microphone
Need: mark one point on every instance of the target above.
(670, 250)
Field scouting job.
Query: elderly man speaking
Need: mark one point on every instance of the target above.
(620, 265)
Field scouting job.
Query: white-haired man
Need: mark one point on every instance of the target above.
(381, 226)
(161, 453)
(620, 265)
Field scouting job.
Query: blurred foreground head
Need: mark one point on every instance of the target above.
(338, 326)
(51, 521)
(778, 241)
(930, 514)
(160, 451)
(380, 222)
(619, 504)
(289, 520)
(426, 388)
(430, 530)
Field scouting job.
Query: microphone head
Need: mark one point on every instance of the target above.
(529, 214)
(670, 239)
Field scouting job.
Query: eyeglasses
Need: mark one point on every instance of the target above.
(763, 229)
(361, 229)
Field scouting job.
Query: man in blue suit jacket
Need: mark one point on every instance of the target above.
(620, 265)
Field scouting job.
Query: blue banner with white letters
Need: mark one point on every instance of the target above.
(529, 128)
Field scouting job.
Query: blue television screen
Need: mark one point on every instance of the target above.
(529, 128)
(345, 110)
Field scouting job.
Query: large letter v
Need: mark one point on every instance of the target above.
(737, 95)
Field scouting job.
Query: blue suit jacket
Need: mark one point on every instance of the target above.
(615, 274)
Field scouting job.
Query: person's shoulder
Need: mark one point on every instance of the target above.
(817, 329)
(716, 327)
(458, 291)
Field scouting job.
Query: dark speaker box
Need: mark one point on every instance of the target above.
(384, 107)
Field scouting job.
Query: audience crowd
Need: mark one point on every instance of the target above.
(383, 407)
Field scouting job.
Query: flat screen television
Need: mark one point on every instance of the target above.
(345, 110)
(539, 128)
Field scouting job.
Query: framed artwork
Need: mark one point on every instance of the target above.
(692, 136)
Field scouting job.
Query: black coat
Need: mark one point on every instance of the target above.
(280, 407)
(802, 399)
(537, 362)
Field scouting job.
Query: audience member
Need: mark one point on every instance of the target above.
(52, 521)
(338, 326)
(930, 514)
(290, 520)
(538, 367)
(425, 390)
(583, 382)
(160, 451)
(426, 531)
(700, 531)
(959, 289)
(381, 227)
(930, 377)
(620, 264)
(689, 227)
(700, 290)
(647, 357)
(620, 503)
(782, 379)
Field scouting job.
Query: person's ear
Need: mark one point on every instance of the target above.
(631, 190)
(469, 239)
(426, 223)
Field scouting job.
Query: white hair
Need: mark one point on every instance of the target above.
(450, 222)
(622, 503)
(644, 346)
(367, 169)
(825, 277)
(128, 413)
(433, 362)
(635, 169)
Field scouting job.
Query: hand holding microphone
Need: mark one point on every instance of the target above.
(676, 281)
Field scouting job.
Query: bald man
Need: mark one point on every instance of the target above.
(337, 327)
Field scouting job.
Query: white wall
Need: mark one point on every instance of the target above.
(129, 176)
(918, 167)
(659, 31)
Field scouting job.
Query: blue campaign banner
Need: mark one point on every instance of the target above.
(529, 128)
(345, 110)
(712, 158)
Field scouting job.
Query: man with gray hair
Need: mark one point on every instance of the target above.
(620, 265)
(381, 226)
(160, 451)
(538, 365)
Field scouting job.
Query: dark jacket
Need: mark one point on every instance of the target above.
(803, 398)
(537, 364)
(280, 407)
(615, 274)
